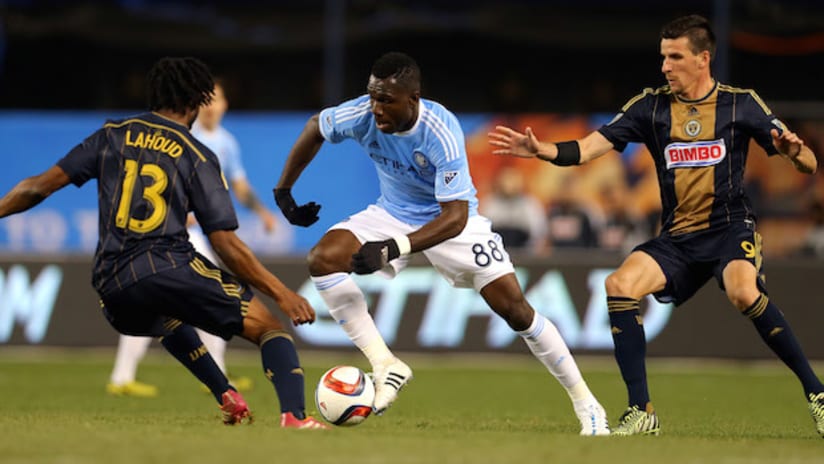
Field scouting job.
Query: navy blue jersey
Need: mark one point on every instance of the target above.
(151, 172)
(700, 151)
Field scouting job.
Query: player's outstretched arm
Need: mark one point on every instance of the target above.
(240, 260)
(509, 142)
(31, 191)
(303, 152)
(790, 145)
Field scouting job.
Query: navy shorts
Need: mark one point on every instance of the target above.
(690, 260)
(198, 294)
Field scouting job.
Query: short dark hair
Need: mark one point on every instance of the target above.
(400, 66)
(179, 84)
(696, 29)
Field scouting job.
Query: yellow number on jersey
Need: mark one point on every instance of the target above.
(749, 249)
(152, 194)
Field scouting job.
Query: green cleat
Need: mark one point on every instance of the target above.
(638, 422)
(817, 411)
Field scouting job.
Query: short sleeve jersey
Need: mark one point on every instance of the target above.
(150, 173)
(418, 168)
(225, 146)
(700, 151)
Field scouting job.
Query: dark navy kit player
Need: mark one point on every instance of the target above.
(150, 174)
(698, 131)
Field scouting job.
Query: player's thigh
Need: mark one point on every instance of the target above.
(662, 268)
(370, 225)
(739, 271)
(474, 258)
(129, 314)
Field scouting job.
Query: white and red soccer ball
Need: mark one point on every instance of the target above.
(345, 395)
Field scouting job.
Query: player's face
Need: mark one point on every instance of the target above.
(211, 114)
(682, 68)
(394, 106)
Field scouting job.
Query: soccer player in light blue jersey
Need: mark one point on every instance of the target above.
(207, 129)
(427, 205)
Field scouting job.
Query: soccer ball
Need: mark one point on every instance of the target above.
(345, 395)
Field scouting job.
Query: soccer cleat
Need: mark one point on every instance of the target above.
(234, 408)
(816, 406)
(593, 418)
(636, 421)
(389, 380)
(133, 388)
(289, 421)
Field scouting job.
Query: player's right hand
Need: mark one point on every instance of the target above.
(303, 215)
(296, 307)
(513, 143)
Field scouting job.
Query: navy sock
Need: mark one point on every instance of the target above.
(186, 347)
(630, 347)
(282, 368)
(776, 333)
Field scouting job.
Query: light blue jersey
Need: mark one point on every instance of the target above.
(225, 146)
(417, 168)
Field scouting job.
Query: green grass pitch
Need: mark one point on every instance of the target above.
(458, 409)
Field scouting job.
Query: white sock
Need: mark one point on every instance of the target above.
(347, 306)
(545, 342)
(216, 347)
(130, 350)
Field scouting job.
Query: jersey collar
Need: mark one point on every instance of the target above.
(684, 100)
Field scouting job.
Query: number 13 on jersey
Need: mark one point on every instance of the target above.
(151, 193)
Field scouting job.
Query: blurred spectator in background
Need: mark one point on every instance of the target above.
(813, 245)
(515, 214)
(619, 228)
(570, 224)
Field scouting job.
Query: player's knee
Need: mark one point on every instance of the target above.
(324, 260)
(618, 285)
(517, 313)
(742, 297)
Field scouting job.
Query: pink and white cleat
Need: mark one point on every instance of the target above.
(289, 421)
(234, 408)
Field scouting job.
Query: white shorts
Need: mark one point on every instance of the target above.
(201, 243)
(472, 259)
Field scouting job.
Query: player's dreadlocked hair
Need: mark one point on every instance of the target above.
(696, 29)
(179, 84)
(400, 66)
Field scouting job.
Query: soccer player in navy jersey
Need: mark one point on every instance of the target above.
(150, 173)
(698, 131)
(207, 129)
(427, 205)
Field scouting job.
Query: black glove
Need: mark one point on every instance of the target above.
(373, 256)
(303, 215)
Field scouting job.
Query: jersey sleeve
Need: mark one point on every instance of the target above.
(81, 163)
(233, 165)
(209, 197)
(349, 120)
(628, 125)
(448, 154)
(759, 121)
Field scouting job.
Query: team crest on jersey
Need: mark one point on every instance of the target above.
(421, 160)
(695, 154)
(449, 177)
(692, 128)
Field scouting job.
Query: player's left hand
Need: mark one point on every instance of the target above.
(787, 143)
(513, 143)
(373, 256)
